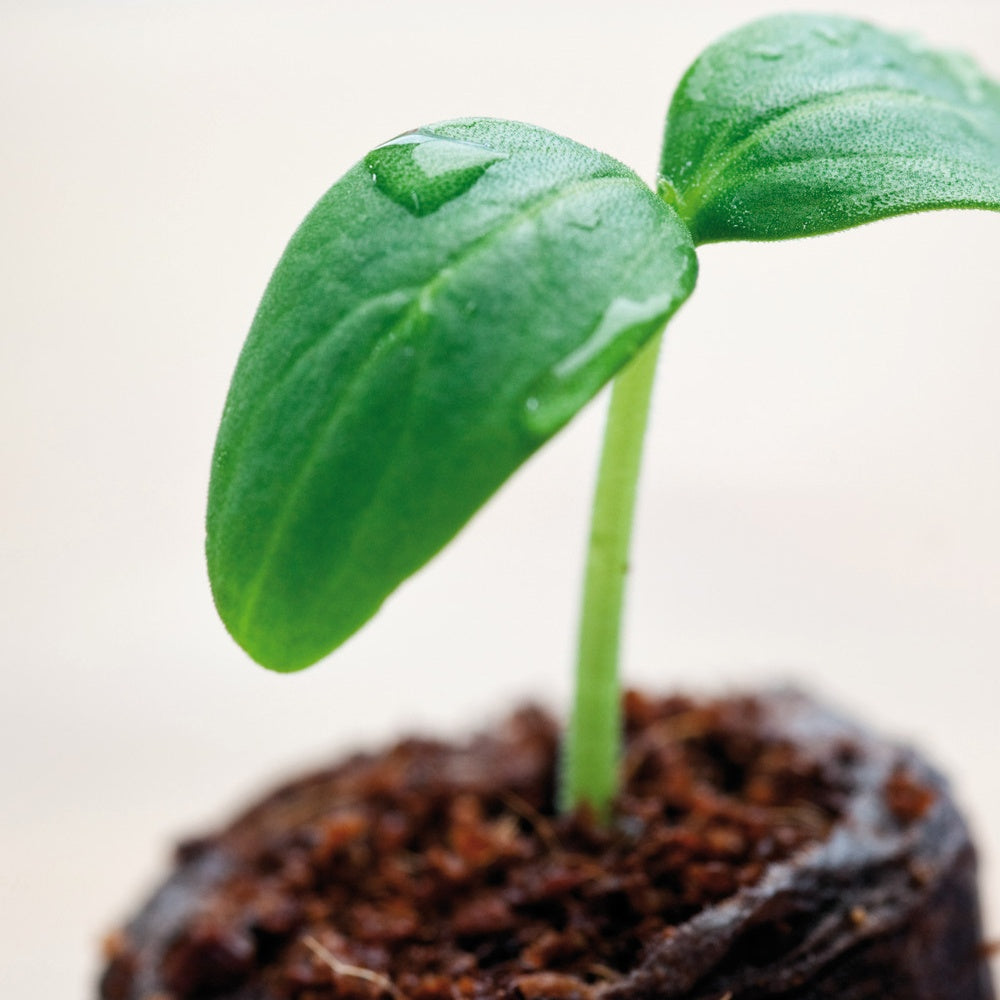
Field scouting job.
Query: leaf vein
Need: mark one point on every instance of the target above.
(699, 192)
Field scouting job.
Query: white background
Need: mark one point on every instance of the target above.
(822, 486)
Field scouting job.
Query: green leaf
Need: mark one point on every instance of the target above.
(801, 124)
(446, 307)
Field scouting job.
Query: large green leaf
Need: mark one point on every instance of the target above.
(802, 124)
(446, 307)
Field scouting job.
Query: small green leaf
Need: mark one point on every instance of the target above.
(446, 307)
(802, 124)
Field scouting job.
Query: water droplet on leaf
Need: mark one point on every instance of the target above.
(831, 34)
(421, 172)
(623, 328)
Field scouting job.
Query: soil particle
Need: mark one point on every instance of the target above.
(739, 862)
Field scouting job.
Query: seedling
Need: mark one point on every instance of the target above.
(466, 288)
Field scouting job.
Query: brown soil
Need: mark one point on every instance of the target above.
(760, 848)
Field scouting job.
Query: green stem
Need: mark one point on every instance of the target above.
(590, 760)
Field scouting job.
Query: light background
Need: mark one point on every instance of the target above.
(822, 485)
